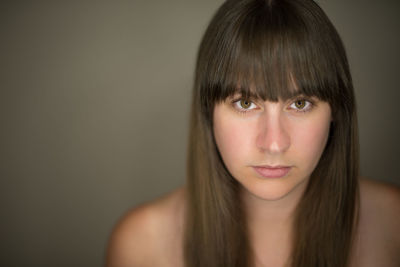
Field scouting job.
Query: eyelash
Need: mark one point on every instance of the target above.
(308, 106)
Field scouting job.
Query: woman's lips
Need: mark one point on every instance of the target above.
(272, 172)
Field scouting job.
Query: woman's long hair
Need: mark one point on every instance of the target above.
(277, 48)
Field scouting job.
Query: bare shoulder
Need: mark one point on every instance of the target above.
(381, 197)
(381, 202)
(379, 222)
(148, 233)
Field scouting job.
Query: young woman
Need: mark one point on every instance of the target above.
(273, 157)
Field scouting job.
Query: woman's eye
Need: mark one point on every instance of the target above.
(244, 104)
(301, 105)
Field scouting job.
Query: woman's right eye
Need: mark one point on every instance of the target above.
(244, 105)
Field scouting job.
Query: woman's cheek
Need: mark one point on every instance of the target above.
(233, 139)
(310, 140)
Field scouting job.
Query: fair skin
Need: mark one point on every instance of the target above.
(271, 133)
(256, 134)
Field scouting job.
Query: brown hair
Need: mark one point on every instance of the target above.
(271, 45)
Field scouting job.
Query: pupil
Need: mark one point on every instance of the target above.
(300, 104)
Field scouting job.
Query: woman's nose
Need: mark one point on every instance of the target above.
(273, 137)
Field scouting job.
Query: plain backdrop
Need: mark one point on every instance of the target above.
(94, 102)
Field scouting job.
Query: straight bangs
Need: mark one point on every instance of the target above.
(274, 51)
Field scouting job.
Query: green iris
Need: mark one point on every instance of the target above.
(300, 104)
(245, 103)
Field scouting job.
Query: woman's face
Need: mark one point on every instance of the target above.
(271, 148)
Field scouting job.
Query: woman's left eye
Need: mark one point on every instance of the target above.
(301, 105)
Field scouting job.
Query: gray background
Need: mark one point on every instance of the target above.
(94, 101)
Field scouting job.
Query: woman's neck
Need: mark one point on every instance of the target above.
(272, 212)
(270, 224)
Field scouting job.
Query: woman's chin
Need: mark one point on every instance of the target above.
(274, 190)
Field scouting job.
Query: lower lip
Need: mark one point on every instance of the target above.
(272, 172)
